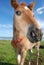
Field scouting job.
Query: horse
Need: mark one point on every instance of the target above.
(22, 21)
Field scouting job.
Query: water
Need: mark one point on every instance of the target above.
(5, 38)
(9, 38)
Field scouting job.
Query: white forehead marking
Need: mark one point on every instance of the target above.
(26, 7)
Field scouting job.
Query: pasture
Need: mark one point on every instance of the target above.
(7, 54)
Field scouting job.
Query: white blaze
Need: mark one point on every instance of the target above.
(26, 7)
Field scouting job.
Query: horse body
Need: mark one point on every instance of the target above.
(23, 19)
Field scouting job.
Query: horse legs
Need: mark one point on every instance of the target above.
(18, 59)
(37, 55)
(30, 52)
(23, 55)
(37, 48)
(18, 56)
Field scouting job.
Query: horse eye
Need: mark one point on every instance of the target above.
(18, 12)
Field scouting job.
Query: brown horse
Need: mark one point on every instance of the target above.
(23, 19)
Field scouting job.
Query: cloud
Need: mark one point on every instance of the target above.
(5, 26)
(41, 23)
(9, 33)
(6, 30)
(40, 10)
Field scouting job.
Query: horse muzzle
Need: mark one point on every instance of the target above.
(34, 34)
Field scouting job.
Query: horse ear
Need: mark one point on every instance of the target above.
(14, 4)
(22, 4)
(31, 5)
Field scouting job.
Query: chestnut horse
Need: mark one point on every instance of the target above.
(23, 19)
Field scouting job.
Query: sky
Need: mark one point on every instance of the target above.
(7, 12)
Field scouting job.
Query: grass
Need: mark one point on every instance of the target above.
(7, 54)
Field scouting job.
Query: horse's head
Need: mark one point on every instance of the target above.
(24, 13)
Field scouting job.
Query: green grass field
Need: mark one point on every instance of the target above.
(7, 54)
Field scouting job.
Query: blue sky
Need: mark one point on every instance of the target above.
(7, 12)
